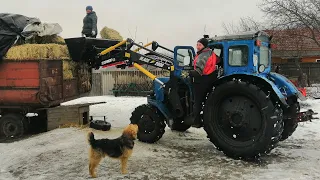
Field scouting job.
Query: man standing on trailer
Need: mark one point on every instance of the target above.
(89, 28)
(203, 75)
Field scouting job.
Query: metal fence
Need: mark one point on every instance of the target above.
(123, 83)
(96, 88)
(291, 70)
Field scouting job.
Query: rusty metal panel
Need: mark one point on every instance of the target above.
(15, 74)
(51, 75)
(52, 81)
(21, 96)
(37, 83)
(14, 83)
(50, 68)
(70, 88)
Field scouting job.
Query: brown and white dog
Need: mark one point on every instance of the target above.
(119, 148)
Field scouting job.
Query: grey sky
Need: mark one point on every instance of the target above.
(170, 22)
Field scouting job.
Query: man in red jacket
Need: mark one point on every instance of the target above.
(203, 75)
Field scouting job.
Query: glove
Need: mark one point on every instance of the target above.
(185, 75)
(93, 33)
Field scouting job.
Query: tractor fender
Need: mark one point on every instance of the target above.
(286, 85)
(257, 79)
(161, 107)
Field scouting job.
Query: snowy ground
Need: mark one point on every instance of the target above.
(63, 153)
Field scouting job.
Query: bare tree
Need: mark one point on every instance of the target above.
(299, 20)
(243, 25)
(301, 15)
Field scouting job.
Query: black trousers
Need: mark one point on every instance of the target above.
(90, 35)
(201, 86)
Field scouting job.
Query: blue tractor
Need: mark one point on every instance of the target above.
(249, 110)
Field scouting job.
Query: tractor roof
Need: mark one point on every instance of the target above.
(240, 36)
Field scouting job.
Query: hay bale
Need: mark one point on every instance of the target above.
(38, 51)
(74, 125)
(68, 69)
(84, 77)
(53, 39)
(109, 33)
(27, 52)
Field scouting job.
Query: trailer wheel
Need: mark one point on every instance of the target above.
(12, 125)
(242, 121)
(151, 125)
(290, 121)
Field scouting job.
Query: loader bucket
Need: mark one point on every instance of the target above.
(85, 49)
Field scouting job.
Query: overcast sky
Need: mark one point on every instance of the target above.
(169, 22)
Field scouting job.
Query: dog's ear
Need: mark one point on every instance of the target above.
(131, 131)
(128, 134)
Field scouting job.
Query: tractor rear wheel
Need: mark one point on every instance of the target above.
(151, 125)
(290, 121)
(242, 121)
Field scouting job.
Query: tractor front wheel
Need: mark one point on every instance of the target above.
(242, 121)
(151, 125)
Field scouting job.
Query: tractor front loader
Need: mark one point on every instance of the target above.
(248, 111)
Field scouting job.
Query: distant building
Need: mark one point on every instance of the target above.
(294, 44)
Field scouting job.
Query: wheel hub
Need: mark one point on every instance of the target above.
(146, 124)
(9, 129)
(236, 119)
(239, 118)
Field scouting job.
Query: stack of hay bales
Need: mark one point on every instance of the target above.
(46, 40)
(38, 51)
(109, 33)
(44, 48)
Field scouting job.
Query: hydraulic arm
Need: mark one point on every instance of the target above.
(128, 57)
(121, 56)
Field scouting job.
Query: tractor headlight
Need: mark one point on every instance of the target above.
(261, 68)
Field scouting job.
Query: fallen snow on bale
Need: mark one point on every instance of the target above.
(63, 153)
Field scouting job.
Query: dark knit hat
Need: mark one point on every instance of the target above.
(89, 8)
(204, 42)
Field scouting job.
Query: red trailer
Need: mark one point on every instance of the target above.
(33, 86)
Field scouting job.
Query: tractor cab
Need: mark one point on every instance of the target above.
(248, 53)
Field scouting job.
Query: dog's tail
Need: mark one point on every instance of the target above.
(91, 139)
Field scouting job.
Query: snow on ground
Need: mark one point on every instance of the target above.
(63, 153)
(116, 109)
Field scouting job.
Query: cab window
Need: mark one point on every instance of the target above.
(238, 55)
